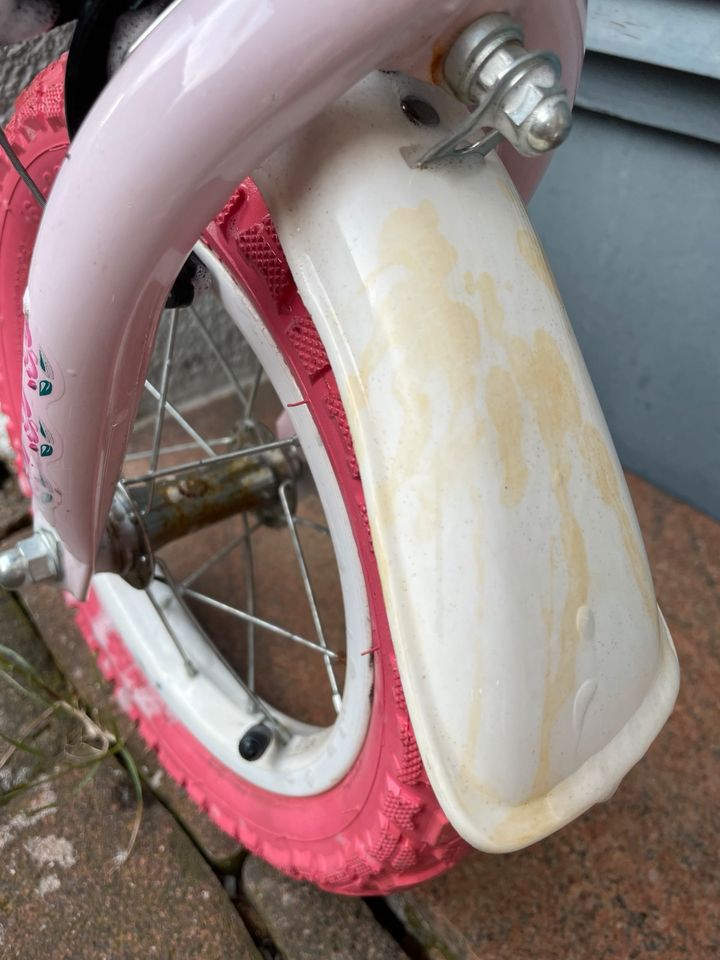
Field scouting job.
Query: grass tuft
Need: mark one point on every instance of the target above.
(87, 744)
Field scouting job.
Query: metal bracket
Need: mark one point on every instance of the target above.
(513, 94)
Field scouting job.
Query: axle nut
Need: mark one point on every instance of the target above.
(32, 560)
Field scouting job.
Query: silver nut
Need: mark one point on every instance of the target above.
(547, 126)
(535, 115)
(516, 93)
(471, 51)
(13, 569)
(40, 556)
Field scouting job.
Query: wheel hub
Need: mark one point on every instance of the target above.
(150, 512)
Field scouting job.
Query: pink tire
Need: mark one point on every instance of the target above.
(380, 827)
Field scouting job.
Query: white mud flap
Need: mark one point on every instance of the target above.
(536, 667)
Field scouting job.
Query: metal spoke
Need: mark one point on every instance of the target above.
(166, 577)
(215, 458)
(162, 401)
(21, 170)
(264, 624)
(312, 524)
(249, 603)
(189, 665)
(250, 402)
(221, 554)
(309, 593)
(178, 448)
(179, 419)
(219, 356)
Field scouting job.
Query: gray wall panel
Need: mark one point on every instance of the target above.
(630, 218)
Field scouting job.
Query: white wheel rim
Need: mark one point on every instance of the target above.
(213, 705)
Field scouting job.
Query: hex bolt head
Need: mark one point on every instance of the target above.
(13, 569)
(255, 742)
(509, 90)
(40, 554)
(32, 560)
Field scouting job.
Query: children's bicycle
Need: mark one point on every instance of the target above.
(310, 444)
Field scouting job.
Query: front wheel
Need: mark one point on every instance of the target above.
(270, 623)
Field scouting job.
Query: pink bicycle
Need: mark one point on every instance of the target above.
(378, 593)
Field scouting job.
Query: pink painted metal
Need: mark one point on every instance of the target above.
(204, 98)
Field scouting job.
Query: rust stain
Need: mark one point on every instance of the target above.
(526, 823)
(548, 610)
(562, 679)
(466, 772)
(434, 335)
(493, 312)
(506, 186)
(544, 380)
(438, 339)
(436, 63)
(604, 473)
(532, 253)
(503, 403)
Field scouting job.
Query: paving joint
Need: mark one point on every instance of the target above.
(69, 887)
(393, 921)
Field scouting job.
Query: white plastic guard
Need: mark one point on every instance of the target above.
(536, 668)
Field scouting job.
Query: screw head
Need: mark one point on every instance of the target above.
(255, 742)
(420, 112)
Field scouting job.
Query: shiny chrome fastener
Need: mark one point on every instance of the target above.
(513, 94)
(33, 560)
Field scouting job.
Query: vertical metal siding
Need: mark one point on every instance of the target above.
(630, 217)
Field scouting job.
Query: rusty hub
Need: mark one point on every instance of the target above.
(149, 514)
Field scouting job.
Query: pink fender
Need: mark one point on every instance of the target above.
(207, 95)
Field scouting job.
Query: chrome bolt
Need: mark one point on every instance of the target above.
(33, 560)
(469, 54)
(518, 93)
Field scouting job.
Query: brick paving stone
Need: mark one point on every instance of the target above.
(309, 924)
(66, 895)
(18, 713)
(637, 876)
(65, 891)
(67, 645)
